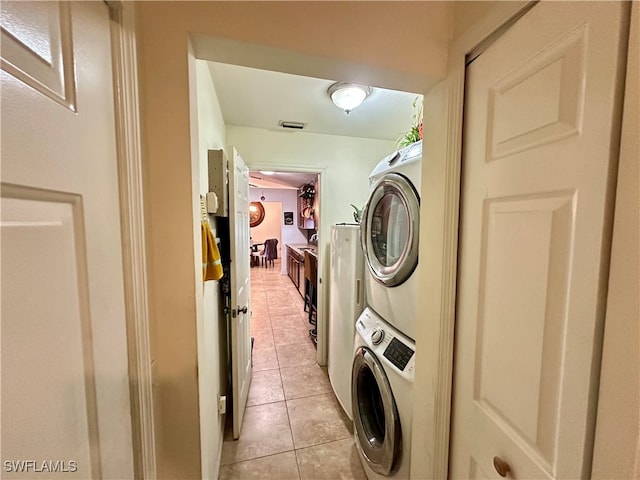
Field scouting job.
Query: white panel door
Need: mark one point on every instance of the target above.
(65, 384)
(536, 205)
(240, 288)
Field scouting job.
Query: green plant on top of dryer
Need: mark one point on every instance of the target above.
(415, 134)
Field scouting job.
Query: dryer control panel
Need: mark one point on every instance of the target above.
(404, 156)
(389, 344)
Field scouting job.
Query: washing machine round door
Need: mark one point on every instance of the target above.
(375, 415)
(390, 227)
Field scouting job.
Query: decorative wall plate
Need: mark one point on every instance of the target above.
(256, 214)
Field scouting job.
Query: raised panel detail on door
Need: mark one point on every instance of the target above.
(522, 315)
(65, 381)
(547, 96)
(37, 48)
(48, 394)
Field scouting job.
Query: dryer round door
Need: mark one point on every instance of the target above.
(390, 226)
(375, 415)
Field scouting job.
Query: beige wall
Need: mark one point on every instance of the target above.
(345, 164)
(343, 33)
(167, 165)
(466, 14)
(271, 226)
(288, 198)
(414, 60)
(617, 445)
(208, 132)
(312, 34)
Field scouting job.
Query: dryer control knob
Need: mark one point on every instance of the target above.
(377, 336)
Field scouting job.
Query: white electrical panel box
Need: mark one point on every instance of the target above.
(219, 181)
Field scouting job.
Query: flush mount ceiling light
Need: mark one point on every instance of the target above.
(267, 172)
(348, 96)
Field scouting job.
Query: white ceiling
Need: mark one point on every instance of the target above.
(257, 98)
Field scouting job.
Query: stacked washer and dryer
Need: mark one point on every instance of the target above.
(384, 349)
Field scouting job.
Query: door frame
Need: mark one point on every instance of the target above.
(322, 351)
(134, 251)
(439, 249)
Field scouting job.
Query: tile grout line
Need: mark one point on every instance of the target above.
(324, 443)
(256, 458)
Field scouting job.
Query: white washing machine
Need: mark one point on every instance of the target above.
(389, 235)
(382, 397)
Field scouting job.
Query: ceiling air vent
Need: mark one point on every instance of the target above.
(292, 125)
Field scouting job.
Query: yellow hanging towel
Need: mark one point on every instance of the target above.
(211, 263)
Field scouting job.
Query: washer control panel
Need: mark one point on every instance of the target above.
(389, 344)
(398, 353)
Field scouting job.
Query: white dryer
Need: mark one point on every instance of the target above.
(382, 397)
(389, 235)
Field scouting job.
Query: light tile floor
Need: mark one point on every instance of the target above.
(294, 428)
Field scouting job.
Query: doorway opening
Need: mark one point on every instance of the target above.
(291, 215)
(342, 158)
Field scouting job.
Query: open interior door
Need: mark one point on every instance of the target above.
(240, 290)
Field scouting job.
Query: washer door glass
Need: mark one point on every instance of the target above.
(390, 235)
(375, 415)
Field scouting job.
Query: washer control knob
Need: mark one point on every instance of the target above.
(377, 336)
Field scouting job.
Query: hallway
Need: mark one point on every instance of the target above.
(294, 428)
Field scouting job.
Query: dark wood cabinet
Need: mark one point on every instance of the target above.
(295, 268)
